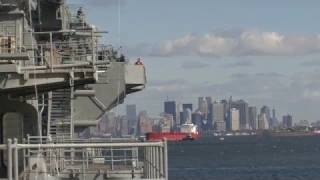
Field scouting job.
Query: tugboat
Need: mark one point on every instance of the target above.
(188, 131)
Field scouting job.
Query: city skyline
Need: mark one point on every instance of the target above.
(248, 57)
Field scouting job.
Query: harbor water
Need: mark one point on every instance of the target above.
(246, 158)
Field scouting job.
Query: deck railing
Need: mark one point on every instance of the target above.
(143, 160)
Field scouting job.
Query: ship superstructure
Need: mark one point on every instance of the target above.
(56, 79)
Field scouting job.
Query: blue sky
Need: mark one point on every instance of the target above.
(266, 52)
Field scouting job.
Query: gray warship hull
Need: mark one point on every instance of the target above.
(56, 80)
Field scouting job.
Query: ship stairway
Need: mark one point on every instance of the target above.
(60, 124)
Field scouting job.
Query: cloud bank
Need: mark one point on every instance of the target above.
(101, 3)
(237, 44)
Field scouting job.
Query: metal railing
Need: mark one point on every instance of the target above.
(143, 160)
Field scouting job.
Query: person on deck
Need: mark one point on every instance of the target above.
(139, 62)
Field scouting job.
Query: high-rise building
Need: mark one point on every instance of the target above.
(265, 111)
(131, 116)
(253, 117)
(197, 119)
(144, 123)
(274, 120)
(187, 106)
(243, 108)
(171, 108)
(219, 112)
(264, 118)
(186, 116)
(203, 106)
(124, 126)
(235, 119)
(287, 121)
(209, 100)
(177, 121)
(166, 123)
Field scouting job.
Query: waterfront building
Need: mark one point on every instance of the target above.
(263, 122)
(144, 123)
(243, 108)
(131, 116)
(187, 106)
(266, 116)
(197, 119)
(303, 123)
(219, 111)
(235, 119)
(166, 123)
(274, 119)
(203, 106)
(171, 108)
(253, 117)
(287, 121)
(124, 123)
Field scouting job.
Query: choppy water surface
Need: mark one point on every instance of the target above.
(246, 158)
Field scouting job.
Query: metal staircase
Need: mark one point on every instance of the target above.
(61, 115)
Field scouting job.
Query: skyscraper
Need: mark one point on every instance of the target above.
(132, 118)
(171, 108)
(264, 118)
(274, 120)
(186, 116)
(219, 115)
(253, 117)
(144, 123)
(187, 106)
(243, 108)
(203, 106)
(265, 111)
(197, 119)
(287, 121)
(235, 119)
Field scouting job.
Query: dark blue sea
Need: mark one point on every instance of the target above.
(246, 158)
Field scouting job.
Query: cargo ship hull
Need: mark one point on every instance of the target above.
(172, 136)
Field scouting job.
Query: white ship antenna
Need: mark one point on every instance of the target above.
(119, 24)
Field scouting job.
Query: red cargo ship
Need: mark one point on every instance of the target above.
(188, 132)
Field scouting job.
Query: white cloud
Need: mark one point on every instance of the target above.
(99, 3)
(244, 43)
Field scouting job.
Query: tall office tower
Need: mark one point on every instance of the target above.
(186, 116)
(124, 129)
(187, 106)
(197, 119)
(166, 123)
(171, 108)
(287, 121)
(264, 118)
(179, 109)
(253, 117)
(132, 118)
(144, 123)
(243, 108)
(208, 100)
(219, 116)
(210, 116)
(203, 106)
(265, 110)
(263, 123)
(235, 119)
(274, 119)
